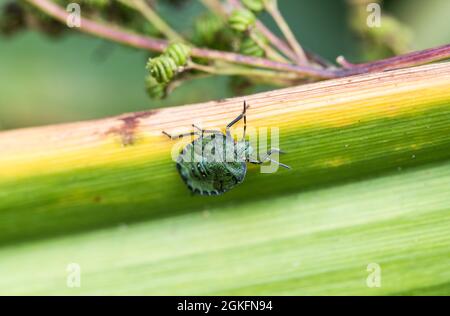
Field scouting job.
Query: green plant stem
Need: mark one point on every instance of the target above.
(278, 43)
(272, 8)
(228, 69)
(53, 181)
(116, 34)
(270, 52)
(154, 19)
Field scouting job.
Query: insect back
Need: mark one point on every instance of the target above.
(215, 162)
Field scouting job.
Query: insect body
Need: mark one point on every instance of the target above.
(214, 163)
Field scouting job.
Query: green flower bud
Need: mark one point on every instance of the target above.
(241, 20)
(179, 53)
(155, 90)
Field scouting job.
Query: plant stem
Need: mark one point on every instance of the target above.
(283, 47)
(116, 34)
(318, 60)
(55, 175)
(227, 69)
(344, 62)
(119, 35)
(154, 19)
(270, 52)
(278, 43)
(401, 61)
(262, 63)
(272, 8)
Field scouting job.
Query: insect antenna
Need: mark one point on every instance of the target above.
(280, 164)
(259, 162)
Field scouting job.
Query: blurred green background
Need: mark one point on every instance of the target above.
(78, 77)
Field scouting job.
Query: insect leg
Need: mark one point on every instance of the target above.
(237, 119)
(273, 150)
(245, 119)
(255, 162)
(278, 150)
(212, 131)
(201, 130)
(258, 162)
(280, 164)
(179, 136)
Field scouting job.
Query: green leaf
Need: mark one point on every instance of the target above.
(369, 187)
(312, 243)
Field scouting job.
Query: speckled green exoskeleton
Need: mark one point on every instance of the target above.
(214, 163)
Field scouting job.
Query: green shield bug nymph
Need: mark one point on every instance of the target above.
(214, 163)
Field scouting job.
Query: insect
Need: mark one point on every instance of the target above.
(214, 163)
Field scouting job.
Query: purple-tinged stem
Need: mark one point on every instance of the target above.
(406, 60)
(152, 44)
(119, 35)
